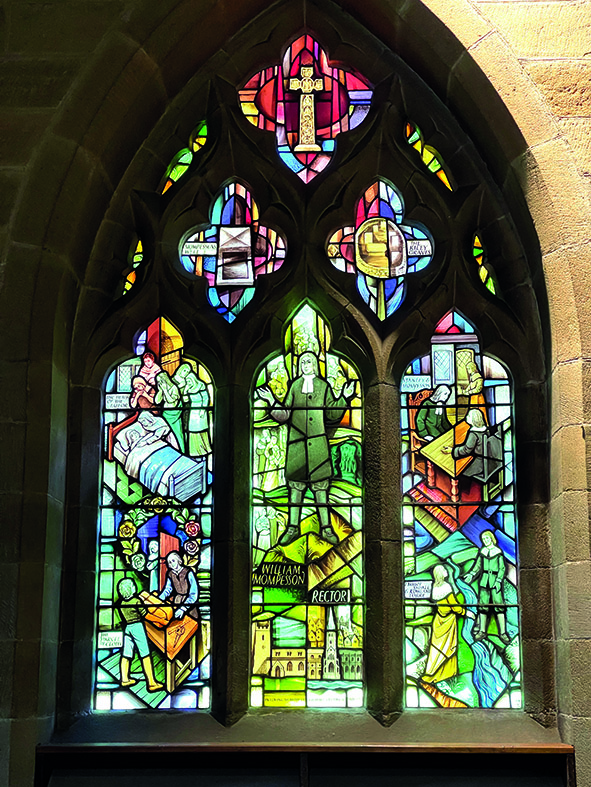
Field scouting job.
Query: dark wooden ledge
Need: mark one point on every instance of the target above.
(394, 747)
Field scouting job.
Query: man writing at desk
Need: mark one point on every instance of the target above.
(181, 587)
(432, 420)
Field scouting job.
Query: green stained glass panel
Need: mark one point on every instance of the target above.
(153, 633)
(459, 520)
(307, 525)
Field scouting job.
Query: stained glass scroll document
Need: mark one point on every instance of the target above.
(462, 645)
(307, 102)
(154, 536)
(379, 249)
(307, 525)
(232, 251)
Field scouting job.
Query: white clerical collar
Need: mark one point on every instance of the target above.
(308, 386)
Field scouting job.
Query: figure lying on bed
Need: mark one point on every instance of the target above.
(148, 451)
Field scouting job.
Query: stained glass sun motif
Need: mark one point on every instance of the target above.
(307, 525)
(379, 249)
(232, 251)
(307, 102)
(459, 514)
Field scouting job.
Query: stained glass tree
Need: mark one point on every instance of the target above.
(155, 521)
(307, 525)
(462, 643)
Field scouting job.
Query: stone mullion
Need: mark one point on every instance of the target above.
(383, 566)
(231, 560)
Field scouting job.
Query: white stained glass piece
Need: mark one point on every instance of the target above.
(125, 700)
(200, 249)
(103, 700)
(234, 263)
(493, 369)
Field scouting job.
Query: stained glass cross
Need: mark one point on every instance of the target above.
(307, 102)
(307, 135)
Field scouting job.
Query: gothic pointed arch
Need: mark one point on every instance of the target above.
(379, 346)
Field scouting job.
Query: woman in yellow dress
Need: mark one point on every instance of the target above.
(442, 659)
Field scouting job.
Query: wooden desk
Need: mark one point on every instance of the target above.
(436, 456)
(169, 641)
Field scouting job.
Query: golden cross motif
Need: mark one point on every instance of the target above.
(307, 132)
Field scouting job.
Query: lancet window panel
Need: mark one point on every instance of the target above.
(459, 519)
(154, 561)
(307, 525)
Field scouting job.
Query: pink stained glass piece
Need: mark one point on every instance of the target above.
(374, 208)
(266, 101)
(347, 251)
(360, 214)
(354, 82)
(445, 324)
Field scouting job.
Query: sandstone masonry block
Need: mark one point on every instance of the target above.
(36, 82)
(10, 180)
(20, 132)
(558, 221)
(580, 658)
(534, 536)
(515, 88)
(570, 527)
(566, 335)
(577, 131)
(568, 460)
(566, 84)
(60, 27)
(563, 676)
(567, 394)
(467, 23)
(535, 29)
(578, 587)
(536, 601)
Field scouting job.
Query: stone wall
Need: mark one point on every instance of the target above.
(82, 84)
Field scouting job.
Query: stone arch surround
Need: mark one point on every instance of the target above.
(129, 80)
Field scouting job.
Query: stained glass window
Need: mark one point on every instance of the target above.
(485, 271)
(379, 249)
(429, 156)
(462, 644)
(307, 101)
(232, 251)
(307, 525)
(155, 521)
(137, 257)
(181, 161)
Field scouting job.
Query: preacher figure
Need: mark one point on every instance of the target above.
(309, 406)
